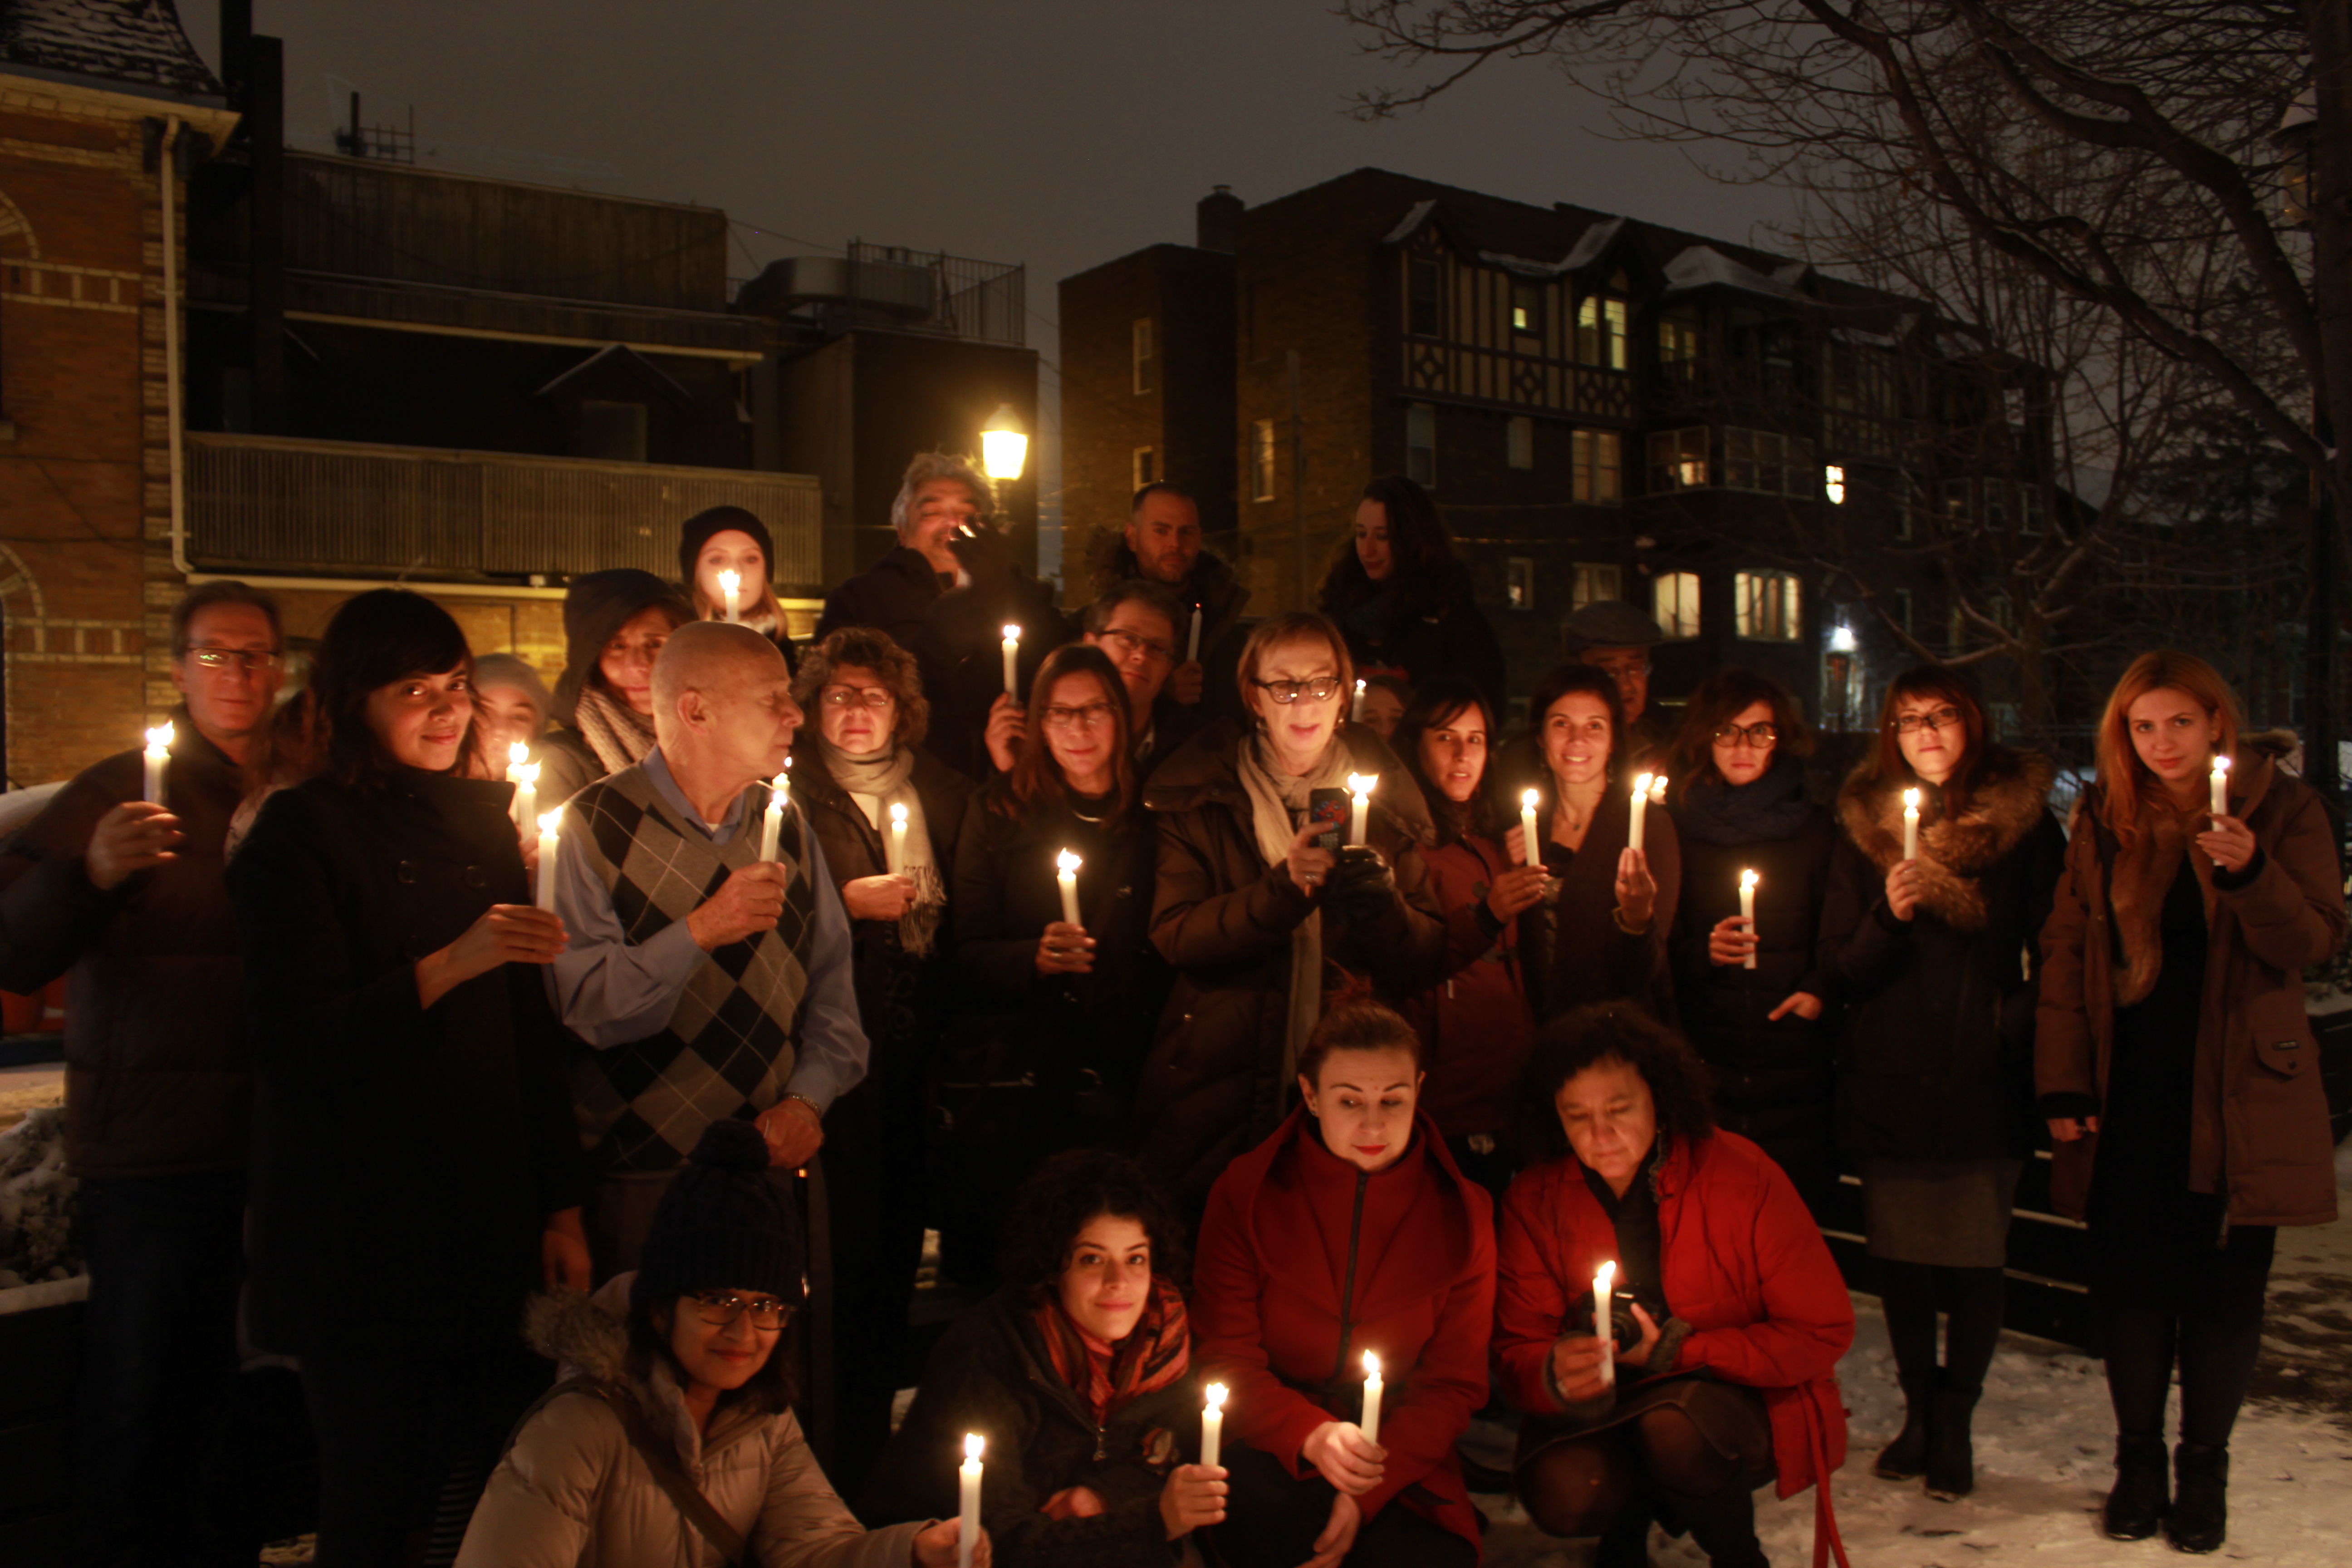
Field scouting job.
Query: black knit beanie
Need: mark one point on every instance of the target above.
(695, 531)
(723, 1225)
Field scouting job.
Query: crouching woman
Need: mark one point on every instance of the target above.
(671, 1442)
(1726, 1320)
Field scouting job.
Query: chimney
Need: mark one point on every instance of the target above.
(236, 35)
(1218, 220)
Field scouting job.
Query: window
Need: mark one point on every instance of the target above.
(1674, 602)
(1769, 461)
(2032, 498)
(1678, 460)
(1903, 610)
(1861, 380)
(1599, 462)
(1678, 347)
(1764, 605)
(1421, 314)
(1996, 505)
(1519, 583)
(615, 432)
(1833, 484)
(1913, 505)
(1957, 503)
(1421, 444)
(1595, 585)
(1147, 466)
(1519, 441)
(1262, 459)
(1147, 367)
(1601, 331)
(1527, 312)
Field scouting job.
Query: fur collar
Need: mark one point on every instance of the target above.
(1954, 852)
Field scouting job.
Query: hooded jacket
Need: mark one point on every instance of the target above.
(594, 610)
(573, 1492)
(2259, 1127)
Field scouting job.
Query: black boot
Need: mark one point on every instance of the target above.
(1905, 1458)
(2200, 1521)
(1951, 1455)
(2140, 1498)
(1722, 1524)
(1626, 1543)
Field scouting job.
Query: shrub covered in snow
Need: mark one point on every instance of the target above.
(38, 1206)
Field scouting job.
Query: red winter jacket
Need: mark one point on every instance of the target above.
(1475, 1020)
(1273, 1321)
(1744, 1266)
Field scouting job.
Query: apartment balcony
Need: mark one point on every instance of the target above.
(266, 505)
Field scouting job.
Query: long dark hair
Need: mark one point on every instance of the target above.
(1719, 699)
(1886, 760)
(1055, 1204)
(1611, 1032)
(1420, 556)
(1036, 779)
(377, 637)
(1434, 706)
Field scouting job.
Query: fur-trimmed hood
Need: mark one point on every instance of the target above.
(1955, 853)
(587, 1336)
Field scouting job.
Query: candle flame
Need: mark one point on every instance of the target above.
(779, 787)
(972, 1444)
(1371, 1364)
(1360, 688)
(159, 738)
(1606, 1278)
(1658, 790)
(1642, 783)
(550, 821)
(899, 815)
(1012, 634)
(2221, 765)
(1748, 879)
(729, 582)
(1069, 863)
(1361, 785)
(518, 753)
(1527, 798)
(1216, 1392)
(1910, 800)
(526, 773)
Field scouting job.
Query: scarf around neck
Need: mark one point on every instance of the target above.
(1107, 1377)
(1714, 811)
(876, 783)
(616, 732)
(1277, 810)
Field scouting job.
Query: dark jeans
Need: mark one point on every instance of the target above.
(1272, 1520)
(153, 1482)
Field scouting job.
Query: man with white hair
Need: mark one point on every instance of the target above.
(704, 981)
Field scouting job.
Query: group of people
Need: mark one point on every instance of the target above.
(1235, 1002)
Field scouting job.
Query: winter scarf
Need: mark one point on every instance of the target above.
(1954, 852)
(619, 735)
(1277, 810)
(1108, 1377)
(876, 783)
(1772, 809)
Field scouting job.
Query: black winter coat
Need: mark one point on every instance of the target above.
(1935, 1056)
(990, 1373)
(406, 1159)
(1458, 640)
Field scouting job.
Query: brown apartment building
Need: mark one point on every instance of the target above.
(1603, 409)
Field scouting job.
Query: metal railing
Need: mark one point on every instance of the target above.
(272, 504)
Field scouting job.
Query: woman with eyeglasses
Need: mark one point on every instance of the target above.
(1934, 1092)
(1057, 1013)
(858, 767)
(671, 1437)
(1259, 904)
(1741, 806)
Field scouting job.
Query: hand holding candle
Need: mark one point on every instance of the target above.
(1360, 785)
(1641, 803)
(159, 751)
(1527, 838)
(1603, 1283)
(548, 838)
(1910, 824)
(1213, 1425)
(730, 584)
(1067, 865)
(2221, 786)
(1013, 661)
(968, 1514)
(1370, 1425)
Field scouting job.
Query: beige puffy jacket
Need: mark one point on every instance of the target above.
(572, 1493)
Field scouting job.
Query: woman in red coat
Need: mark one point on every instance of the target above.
(1347, 1233)
(1728, 1316)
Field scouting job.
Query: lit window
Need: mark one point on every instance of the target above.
(1519, 441)
(1598, 463)
(1262, 459)
(1421, 316)
(1421, 444)
(1147, 466)
(1601, 332)
(1674, 603)
(1526, 309)
(1765, 604)
(1833, 484)
(1520, 585)
(1146, 367)
(1595, 585)
(1678, 460)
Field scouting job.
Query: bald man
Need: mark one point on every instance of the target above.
(704, 981)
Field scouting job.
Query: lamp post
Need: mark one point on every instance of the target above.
(1003, 445)
(2295, 138)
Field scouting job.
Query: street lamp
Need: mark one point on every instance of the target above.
(1003, 445)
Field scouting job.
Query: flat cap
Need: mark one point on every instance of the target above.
(1610, 623)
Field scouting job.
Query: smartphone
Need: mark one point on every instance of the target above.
(1329, 807)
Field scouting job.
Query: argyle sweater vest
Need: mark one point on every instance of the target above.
(727, 1048)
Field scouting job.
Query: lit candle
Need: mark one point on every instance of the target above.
(1068, 864)
(1528, 825)
(1641, 802)
(1356, 712)
(1213, 1425)
(1602, 1284)
(547, 847)
(1192, 644)
(526, 795)
(1658, 790)
(1360, 786)
(771, 826)
(1370, 1425)
(1013, 661)
(2221, 786)
(1910, 824)
(895, 847)
(1747, 880)
(968, 1518)
(730, 584)
(159, 751)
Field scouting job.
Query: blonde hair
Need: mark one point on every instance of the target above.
(2123, 777)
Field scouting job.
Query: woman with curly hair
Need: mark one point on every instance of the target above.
(1404, 603)
(856, 766)
(1718, 1371)
(1078, 1372)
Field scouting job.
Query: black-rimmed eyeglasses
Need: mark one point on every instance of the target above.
(1321, 688)
(723, 1307)
(1757, 735)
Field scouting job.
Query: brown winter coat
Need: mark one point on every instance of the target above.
(2259, 1130)
(1212, 1084)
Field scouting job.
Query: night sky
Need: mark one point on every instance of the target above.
(1057, 133)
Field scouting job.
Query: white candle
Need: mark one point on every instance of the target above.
(1213, 1425)
(895, 845)
(526, 795)
(1747, 880)
(1910, 824)
(730, 584)
(159, 751)
(1641, 803)
(1356, 712)
(1192, 644)
(2221, 786)
(968, 1517)
(1360, 786)
(1370, 1425)
(772, 824)
(1013, 661)
(547, 839)
(1602, 1284)
(1528, 799)
(1069, 864)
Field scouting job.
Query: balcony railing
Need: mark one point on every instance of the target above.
(266, 503)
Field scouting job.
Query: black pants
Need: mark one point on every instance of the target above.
(874, 1194)
(154, 1480)
(2165, 1294)
(1272, 1520)
(1973, 1301)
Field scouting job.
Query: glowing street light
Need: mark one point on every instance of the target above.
(1003, 445)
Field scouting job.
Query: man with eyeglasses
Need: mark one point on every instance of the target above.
(1161, 544)
(1134, 623)
(125, 898)
(1616, 638)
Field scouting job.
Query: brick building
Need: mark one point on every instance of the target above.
(1603, 409)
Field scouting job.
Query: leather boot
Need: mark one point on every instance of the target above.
(1722, 1525)
(1626, 1543)
(2199, 1520)
(1905, 1458)
(2140, 1498)
(1951, 1454)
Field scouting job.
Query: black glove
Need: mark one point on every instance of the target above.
(984, 553)
(1361, 896)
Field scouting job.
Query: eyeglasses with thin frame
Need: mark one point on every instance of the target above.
(1092, 715)
(243, 658)
(874, 697)
(721, 1308)
(1756, 735)
(1128, 644)
(1939, 720)
(1320, 689)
